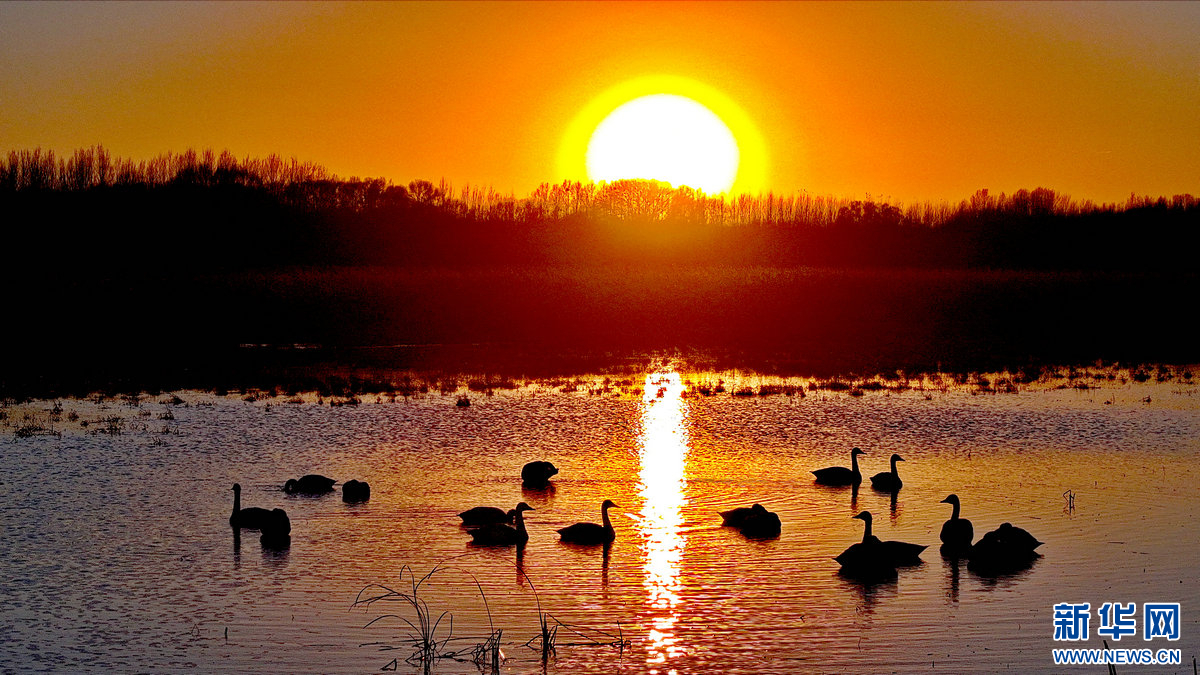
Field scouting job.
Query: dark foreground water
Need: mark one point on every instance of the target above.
(117, 554)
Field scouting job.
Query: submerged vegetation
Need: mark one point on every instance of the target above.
(115, 414)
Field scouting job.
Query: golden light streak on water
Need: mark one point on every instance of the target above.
(663, 450)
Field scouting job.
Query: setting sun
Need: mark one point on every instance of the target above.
(722, 336)
(666, 128)
(668, 138)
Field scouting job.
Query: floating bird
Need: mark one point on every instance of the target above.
(591, 533)
(246, 519)
(761, 523)
(537, 474)
(354, 491)
(902, 553)
(957, 533)
(890, 553)
(735, 517)
(840, 475)
(867, 558)
(888, 481)
(485, 515)
(312, 484)
(276, 530)
(1004, 548)
(503, 534)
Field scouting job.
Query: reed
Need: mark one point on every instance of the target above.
(430, 633)
(426, 633)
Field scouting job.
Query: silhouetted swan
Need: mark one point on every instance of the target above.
(840, 475)
(276, 530)
(735, 517)
(503, 534)
(485, 515)
(867, 558)
(249, 519)
(312, 484)
(356, 491)
(903, 553)
(537, 474)
(888, 481)
(761, 523)
(591, 533)
(1004, 548)
(957, 533)
(893, 553)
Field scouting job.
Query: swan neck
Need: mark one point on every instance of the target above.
(867, 531)
(894, 467)
(607, 522)
(854, 463)
(954, 515)
(520, 517)
(237, 501)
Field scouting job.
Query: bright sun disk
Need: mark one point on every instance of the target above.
(668, 138)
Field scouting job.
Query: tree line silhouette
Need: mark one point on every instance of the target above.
(91, 213)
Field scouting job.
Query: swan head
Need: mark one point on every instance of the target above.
(758, 508)
(237, 487)
(290, 485)
(522, 507)
(865, 515)
(951, 499)
(897, 458)
(856, 451)
(608, 503)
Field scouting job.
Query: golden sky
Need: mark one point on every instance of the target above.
(908, 101)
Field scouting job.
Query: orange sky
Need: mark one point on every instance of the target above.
(911, 101)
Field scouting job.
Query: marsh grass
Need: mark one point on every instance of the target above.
(430, 634)
(426, 635)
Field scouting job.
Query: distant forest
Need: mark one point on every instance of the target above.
(92, 213)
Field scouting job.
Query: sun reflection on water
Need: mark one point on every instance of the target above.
(663, 448)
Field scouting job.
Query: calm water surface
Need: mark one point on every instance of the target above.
(117, 554)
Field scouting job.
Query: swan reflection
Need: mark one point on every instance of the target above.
(663, 448)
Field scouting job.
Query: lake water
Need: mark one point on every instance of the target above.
(117, 554)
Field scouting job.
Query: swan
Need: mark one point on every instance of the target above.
(867, 557)
(888, 481)
(957, 533)
(356, 491)
(537, 474)
(591, 533)
(312, 484)
(840, 475)
(874, 554)
(761, 523)
(276, 530)
(903, 553)
(735, 517)
(249, 519)
(503, 534)
(1006, 547)
(485, 515)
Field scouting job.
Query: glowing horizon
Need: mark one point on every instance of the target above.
(912, 102)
